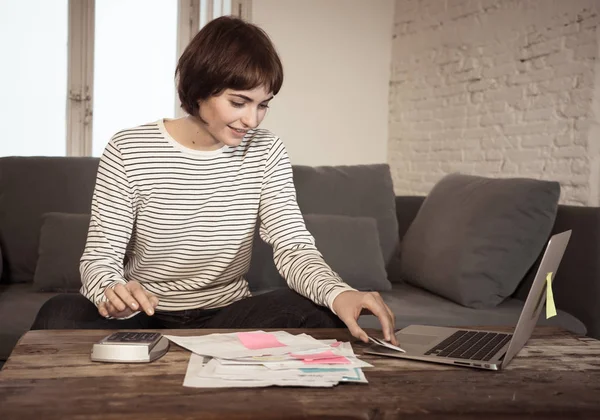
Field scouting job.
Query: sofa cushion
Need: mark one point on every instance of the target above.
(412, 305)
(30, 187)
(62, 241)
(349, 245)
(474, 239)
(358, 190)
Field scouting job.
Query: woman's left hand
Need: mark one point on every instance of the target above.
(350, 304)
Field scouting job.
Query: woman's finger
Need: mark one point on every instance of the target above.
(114, 299)
(115, 313)
(112, 310)
(141, 297)
(126, 298)
(354, 329)
(392, 318)
(378, 309)
(389, 311)
(102, 309)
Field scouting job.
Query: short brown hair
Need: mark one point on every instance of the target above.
(228, 53)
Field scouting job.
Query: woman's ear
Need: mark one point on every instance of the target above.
(199, 113)
(199, 103)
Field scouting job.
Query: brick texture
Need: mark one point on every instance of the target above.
(501, 88)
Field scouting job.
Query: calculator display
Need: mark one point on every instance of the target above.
(132, 337)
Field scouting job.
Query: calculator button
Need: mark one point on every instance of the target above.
(133, 337)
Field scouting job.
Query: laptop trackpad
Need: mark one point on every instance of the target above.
(415, 339)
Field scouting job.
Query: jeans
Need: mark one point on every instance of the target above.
(282, 308)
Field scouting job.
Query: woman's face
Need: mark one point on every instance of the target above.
(233, 112)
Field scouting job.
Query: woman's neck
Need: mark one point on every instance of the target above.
(190, 132)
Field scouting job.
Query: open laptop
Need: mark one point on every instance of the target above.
(474, 348)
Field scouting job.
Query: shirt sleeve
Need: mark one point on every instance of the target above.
(282, 226)
(110, 229)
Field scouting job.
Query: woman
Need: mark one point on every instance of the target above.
(179, 199)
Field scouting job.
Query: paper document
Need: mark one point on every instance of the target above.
(233, 345)
(249, 363)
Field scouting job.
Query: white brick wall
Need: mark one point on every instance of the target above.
(500, 88)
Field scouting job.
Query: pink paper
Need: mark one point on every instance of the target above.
(328, 354)
(259, 340)
(336, 344)
(340, 360)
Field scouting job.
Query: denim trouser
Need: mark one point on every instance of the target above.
(282, 308)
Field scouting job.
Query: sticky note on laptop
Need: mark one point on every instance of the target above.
(550, 307)
(259, 340)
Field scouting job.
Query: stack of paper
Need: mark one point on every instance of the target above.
(258, 359)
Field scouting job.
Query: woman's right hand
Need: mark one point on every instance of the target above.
(125, 299)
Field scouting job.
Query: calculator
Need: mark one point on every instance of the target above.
(123, 337)
(130, 347)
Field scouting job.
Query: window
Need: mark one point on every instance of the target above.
(33, 77)
(134, 65)
(211, 9)
(81, 70)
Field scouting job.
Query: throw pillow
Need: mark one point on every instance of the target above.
(30, 187)
(352, 190)
(474, 239)
(62, 241)
(349, 245)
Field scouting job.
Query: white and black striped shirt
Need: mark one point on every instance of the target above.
(186, 219)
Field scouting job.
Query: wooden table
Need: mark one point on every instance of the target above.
(49, 375)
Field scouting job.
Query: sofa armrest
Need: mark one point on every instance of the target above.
(576, 286)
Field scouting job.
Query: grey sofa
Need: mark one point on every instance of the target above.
(33, 187)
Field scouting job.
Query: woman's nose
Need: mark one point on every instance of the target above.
(250, 118)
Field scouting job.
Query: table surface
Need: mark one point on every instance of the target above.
(49, 375)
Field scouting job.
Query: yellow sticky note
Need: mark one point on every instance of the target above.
(550, 307)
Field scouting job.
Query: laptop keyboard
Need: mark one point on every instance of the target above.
(470, 345)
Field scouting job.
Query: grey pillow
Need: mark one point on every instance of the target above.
(350, 246)
(28, 189)
(353, 190)
(62, 241)
(474, 239)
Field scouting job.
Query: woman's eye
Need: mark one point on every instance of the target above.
(237, 104)
(263, 106)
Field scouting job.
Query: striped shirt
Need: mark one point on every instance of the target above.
(185, 219)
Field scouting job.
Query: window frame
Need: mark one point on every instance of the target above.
(80, 77)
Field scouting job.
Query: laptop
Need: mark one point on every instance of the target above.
(475, 348)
